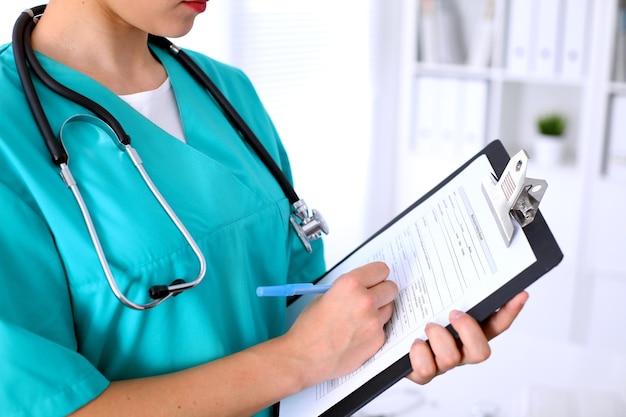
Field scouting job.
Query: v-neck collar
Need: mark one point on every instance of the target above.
(207, 131)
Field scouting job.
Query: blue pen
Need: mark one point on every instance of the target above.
(291, 289)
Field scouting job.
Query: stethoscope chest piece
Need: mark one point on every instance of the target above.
(308, 227)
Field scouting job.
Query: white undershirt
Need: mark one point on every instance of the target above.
(160, 107)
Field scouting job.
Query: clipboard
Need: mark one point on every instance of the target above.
(513, 204)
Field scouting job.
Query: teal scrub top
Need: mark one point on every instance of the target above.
(64, 335)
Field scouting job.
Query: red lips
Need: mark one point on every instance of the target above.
(199, 6)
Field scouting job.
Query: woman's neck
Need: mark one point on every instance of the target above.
(113, 53)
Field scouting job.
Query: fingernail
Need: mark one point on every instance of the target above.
(418, 341)
(525, 298)
(455, 314)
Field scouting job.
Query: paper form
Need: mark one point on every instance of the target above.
(447, 253)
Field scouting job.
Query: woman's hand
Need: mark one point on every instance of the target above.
(443, 352)
(341, 329)
(338, 331)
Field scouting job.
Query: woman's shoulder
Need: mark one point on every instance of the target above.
(12, 99)
(7, 61)
(9, 79)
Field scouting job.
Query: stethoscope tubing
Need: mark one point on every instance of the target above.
(69, 94)
(173, 288)
(58, 154)
(162, 292)
(95, 240)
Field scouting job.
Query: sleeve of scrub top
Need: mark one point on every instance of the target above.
(41, 373)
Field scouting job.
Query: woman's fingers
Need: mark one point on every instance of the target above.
(443, 351)
(422, 362)
(502, 319)
(473, 346)
(339, 330)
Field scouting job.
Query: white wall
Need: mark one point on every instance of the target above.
(9, 12)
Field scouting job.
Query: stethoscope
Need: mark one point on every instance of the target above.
(307, 226)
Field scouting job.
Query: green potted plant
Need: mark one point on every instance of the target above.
(552, 125)
(548, 146)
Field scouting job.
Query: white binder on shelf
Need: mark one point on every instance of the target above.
(451, 116)
(428, 36)
(480, 50)
(448, 111)
(520, 24)
(473, 98)
(425, 137)
(450, 42)
(573, 46)
(619, 64)
(616, 155)
(546, 28)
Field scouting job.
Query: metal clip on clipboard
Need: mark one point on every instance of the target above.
(514, 197)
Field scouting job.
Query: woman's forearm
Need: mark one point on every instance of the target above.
(241, 384)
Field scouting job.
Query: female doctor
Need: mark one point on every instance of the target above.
(68, 345)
